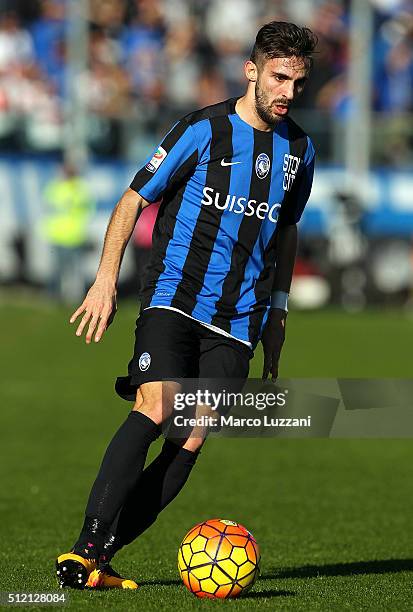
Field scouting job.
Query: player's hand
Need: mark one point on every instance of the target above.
(272, 341)
(98, 308)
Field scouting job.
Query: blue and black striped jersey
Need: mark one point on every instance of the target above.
(223, 186)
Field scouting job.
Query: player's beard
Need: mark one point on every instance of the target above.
(263, 106)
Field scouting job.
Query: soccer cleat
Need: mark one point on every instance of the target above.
(73, 570)
(109, 579)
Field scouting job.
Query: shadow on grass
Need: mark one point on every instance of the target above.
(160, 582)
(253, 595)
(268, 593)
(381, 566)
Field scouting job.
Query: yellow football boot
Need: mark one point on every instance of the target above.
(73, 570)
(109, 579)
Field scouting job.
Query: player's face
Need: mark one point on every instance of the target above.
(279, 82)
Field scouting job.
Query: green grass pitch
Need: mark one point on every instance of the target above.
(332, 517)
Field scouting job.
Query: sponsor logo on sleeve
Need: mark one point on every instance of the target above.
(156, 160)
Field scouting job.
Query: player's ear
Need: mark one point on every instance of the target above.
(251, 71)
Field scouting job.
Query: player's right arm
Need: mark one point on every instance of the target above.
(99, 305)
(176, 156)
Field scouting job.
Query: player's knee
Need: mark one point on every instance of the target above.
(194, 444)
(153, 410)
(157, 410)
(155, 400)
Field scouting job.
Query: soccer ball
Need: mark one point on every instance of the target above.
(218, 558)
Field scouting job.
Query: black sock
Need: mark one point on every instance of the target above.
(121, 468)
(159, 484)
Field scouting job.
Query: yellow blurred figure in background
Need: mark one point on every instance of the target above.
(68, 210)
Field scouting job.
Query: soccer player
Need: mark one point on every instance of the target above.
(233, 180)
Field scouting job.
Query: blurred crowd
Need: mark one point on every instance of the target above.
(153, 60)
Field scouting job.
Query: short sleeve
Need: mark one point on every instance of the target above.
(296, 200)
(176, 155)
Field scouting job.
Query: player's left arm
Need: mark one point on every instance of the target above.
(286, 249)
(274, 332)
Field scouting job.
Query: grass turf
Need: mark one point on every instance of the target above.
(332, 516)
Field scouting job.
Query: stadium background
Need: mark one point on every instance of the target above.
(97, 83)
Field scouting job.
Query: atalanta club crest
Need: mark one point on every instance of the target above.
(144, 362)
(262, 165)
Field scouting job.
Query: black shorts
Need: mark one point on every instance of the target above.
(171, 346)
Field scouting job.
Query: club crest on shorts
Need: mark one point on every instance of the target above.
(262, 165)
(144, 362)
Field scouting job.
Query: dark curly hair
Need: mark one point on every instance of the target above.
(283, 39)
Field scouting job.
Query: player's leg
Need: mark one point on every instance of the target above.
(177, 356)
(158, 486)
(171, 348)
(223, 365)
(221, 360)
(121, 468)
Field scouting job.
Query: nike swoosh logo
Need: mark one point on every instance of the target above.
(224, 163)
